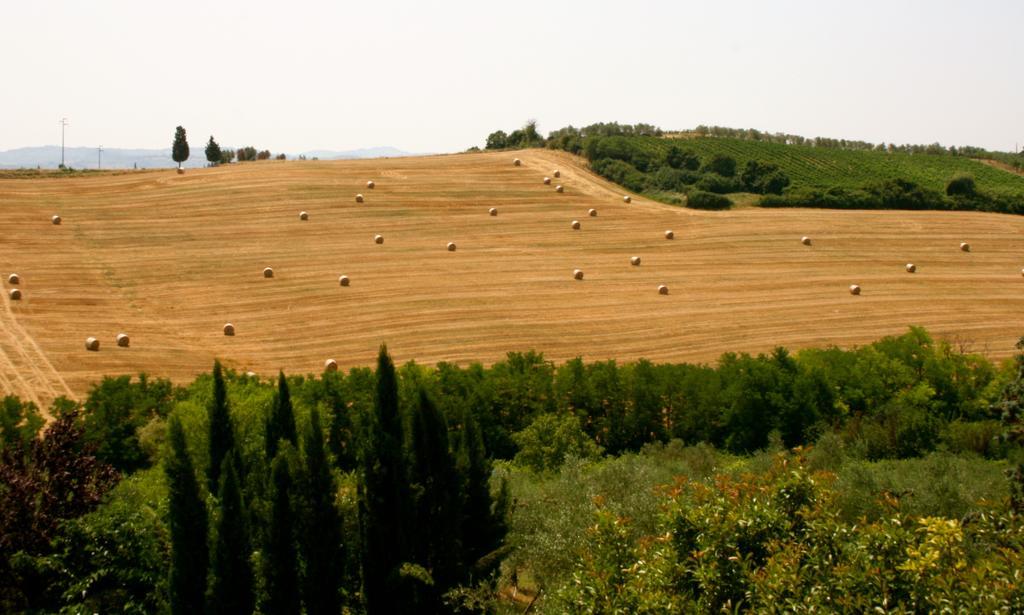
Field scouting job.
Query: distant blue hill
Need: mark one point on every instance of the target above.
(48, 157)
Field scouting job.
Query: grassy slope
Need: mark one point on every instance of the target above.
(813, 167)
(170, 258)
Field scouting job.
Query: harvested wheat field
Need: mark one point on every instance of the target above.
(168, 259)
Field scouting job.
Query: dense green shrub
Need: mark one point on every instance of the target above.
(679, 158)
(763, 178)
(550, 439)
(961, 185)
(621, 173)
(721, 164)
(713, 182)
(699, 199)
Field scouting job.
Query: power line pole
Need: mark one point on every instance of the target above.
(63, 124)
(99, 157)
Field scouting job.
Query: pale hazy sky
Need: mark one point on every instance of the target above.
(435, 77)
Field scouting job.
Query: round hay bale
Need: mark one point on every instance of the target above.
(303, 215)
(13, 279)
(359, 198)
(634, 260)
(575, 225)
(229, 329)
(55, 219)
(577, 274)
(1022, 272)
(854, 289)
(370, 184)
(250, 374)
(805, 240)
(330, 365)
(559, 188)
(911, 268)
(662, 289)
(965, 247)
(343, 280)
(493, 211)
(670, 235)
(627, 199)
(451, 246)
(547, 181)
(268, 272)
(517, 162)
(91, 343)
(181, 171)
(592, 213)
(123, 340)
(14, 294)
(556, 173)
(378, 239)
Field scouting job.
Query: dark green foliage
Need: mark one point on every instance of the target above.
(281, 422)
(715, 183)
(678, 180)
(231, 578)
(320, 526)
(222, 432)
(497, 140)
(280, 565)
(698, 199)
(621, 173)
(115, 411)
(179, 149)
(763, 178)
(961, 185)
(188, 529)
(721, 164)
(434, 488)
(384, 497)
(483, 521)
(550, 439)
(42, 483)
(679, 158)
(19, 423)
(214, 155)
(1011, 409)
(226, 156)
(246, 153)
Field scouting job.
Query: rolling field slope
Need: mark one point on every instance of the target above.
(170, 258)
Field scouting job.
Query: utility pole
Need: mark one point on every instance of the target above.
(63, 124)
(99, 157)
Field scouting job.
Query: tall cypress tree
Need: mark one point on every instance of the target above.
(281, 423)
(483, 520)
(179, 149)
(187, 521)
(434, 486)
(383, 492)
(213, 153)
(222, 433)
(321, 527)
(281, 576)
(231, 581)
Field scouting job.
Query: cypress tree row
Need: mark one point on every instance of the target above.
(281, 563)
(383, 498)
(222, 435)
(321, 527)
(231, 579)
(187, 521)
(434, 486)
(483, 521)
(281, 423)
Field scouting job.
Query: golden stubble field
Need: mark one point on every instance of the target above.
(168, 259)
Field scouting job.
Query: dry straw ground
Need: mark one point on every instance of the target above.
(170, 258)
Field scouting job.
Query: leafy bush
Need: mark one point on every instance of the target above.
(699, 199)
(678, 158)
(621, 173)
(550, 439)
(763, 178)
(721, 164)
(961, 185)
(713, 182)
